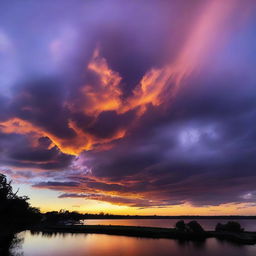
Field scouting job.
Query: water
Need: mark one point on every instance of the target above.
(249, 225)
(110, 245)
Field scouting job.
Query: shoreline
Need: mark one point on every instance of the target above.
(181, 217)
(246, 238)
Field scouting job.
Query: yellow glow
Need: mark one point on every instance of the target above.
(92, 206)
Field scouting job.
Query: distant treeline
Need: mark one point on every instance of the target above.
(110, 216)
(79, 216)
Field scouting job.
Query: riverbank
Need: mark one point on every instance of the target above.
(149, 232)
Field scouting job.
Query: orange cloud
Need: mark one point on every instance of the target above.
(104, 96)
(156, 87)
(159, 85)
(82, 141)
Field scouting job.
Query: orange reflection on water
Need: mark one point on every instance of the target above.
(108, 245)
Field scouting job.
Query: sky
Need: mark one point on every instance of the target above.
(130, 107)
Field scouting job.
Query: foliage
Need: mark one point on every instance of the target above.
(195, 227)
(191, 227)
(230, 226)
(180, 225)
(61, 216)
(15, 211)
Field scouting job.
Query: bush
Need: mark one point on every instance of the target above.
(180, 225)
(192, 226)
(55, 217)
(231, 226)
(195, 227)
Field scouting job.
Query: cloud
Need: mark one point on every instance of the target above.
(117, 200)
(54, 184)
(152, 111)
(31, 152)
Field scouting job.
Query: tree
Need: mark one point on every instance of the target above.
(180, 226)
(5, 189)
(191, 227)
(15, 211)
(230, 226)
(195, 227)
(55, 217)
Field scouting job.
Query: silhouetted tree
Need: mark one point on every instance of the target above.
(195, 227)
(180, 226)
(55, 217)
(230, 226)
(192, 226)
(15, 211)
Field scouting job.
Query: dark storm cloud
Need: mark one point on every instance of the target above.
(53, 184)
(40, 99)
(42, 159)
(200, 151)
(109, 122)
(133, 46)
(17, 151)
(41, 103)
(132, 202)
(3, 107)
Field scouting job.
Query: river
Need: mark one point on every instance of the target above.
(111, 245)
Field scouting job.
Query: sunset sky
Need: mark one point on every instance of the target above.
(130, 107)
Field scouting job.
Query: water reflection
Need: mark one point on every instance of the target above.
(51, 234)
(58, 244)
(12, 245)
(200, 244)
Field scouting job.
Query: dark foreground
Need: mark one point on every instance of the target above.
(150, 232)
